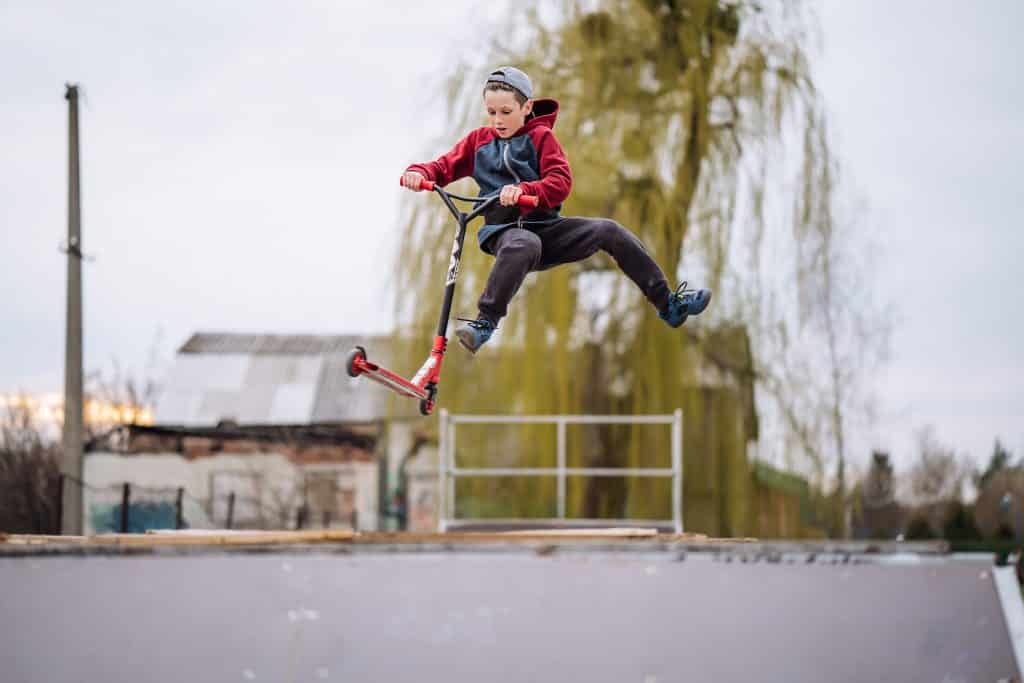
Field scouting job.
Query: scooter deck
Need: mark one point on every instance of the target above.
(389, 379)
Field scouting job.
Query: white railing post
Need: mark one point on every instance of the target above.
(442, 465)
(677, 470)
(561, 469)
(452, 466)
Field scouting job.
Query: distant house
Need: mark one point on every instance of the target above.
(274, 420)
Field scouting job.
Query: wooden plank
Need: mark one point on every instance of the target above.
(40, 539)
(582, 533)
(228, 538)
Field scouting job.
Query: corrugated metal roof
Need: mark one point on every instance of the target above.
(355, 398)
(274, 379)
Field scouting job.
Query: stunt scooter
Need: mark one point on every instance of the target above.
(423, 385)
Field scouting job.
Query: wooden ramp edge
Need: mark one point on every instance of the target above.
(244, 538)
(187, 538)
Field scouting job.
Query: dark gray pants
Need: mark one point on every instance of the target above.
(518, 251)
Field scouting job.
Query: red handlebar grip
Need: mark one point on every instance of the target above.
(529, 201)
(425, 184)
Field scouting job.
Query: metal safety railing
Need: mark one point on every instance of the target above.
(448, 469)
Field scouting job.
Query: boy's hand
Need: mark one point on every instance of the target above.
(412, 180)
(510, 195)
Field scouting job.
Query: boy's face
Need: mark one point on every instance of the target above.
(505, 115)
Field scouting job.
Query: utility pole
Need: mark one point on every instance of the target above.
(71, 465)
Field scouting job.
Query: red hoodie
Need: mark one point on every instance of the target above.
(531, 158)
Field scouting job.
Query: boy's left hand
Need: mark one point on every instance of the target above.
(510, 195)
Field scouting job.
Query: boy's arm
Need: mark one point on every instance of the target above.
(555, 175)
(457, 163)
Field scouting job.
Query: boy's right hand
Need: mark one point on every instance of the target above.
(412, 180)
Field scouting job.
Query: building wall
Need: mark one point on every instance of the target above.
(423, 488)
(399, 440)
(268, 489)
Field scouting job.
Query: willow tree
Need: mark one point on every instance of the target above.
(697, 125)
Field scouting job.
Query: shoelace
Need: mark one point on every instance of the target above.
(681, 290)
(477, 324)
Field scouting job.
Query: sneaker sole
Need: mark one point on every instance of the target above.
(462, 342)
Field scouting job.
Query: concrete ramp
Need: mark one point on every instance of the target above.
(647, 609)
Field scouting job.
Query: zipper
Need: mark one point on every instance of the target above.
(508, 167)
(504, 158)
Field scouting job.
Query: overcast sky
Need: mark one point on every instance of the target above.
(239, 173)
(926, 102)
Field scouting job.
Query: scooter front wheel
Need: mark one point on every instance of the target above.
(350, 360)
(427, 404)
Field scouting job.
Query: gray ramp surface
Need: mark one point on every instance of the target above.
(519, 614)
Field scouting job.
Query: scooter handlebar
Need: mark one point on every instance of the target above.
(527, 201)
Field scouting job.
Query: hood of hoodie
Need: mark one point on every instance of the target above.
(545, 111)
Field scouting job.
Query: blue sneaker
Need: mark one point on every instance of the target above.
(683, 303)
(474, 333)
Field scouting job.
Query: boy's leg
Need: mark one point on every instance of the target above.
(516, 253)
(574, 239)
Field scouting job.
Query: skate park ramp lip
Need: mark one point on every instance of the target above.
(579, 605)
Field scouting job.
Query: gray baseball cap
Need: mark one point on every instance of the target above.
(514, 77)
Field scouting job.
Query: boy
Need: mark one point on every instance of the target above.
(519, 154)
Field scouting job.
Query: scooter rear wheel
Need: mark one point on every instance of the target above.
(350, 359)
